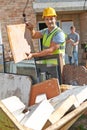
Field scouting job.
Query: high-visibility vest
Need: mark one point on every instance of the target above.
(46, 44)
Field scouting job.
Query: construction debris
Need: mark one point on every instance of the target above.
(56, 113)
(66, 100)
(34, 118)
(66, 121)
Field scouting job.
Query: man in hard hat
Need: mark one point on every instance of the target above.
(53, 37)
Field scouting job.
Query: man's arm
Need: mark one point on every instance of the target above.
(45, 52)
(77, 41)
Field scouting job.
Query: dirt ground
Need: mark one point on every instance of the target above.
(80, 124)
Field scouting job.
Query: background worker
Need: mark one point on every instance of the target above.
(72, 45)
(53, 37)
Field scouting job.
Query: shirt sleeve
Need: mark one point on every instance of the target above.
(78, 37)
(43, 31)
(59, 38)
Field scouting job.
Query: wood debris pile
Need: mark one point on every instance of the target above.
(56, 113)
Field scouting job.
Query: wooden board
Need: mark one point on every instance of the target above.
(29, 119)
(49, 87)
(80, 92)
(8, 121)
(66, 122)
(62, 108)
(20, 41)
(37, 116)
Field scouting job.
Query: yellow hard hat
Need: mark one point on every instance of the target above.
(49, 12)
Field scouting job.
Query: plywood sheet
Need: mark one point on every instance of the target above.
(20, 41)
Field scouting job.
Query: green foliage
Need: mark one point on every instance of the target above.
(86, 45)
(81, 127)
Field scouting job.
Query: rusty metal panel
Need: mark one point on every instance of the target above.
(49, 87)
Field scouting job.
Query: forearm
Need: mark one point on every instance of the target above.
(45, 52)
(33, 32)
(42, 53)
(68, 41)
(76, 43)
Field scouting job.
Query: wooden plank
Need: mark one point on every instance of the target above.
(8, 121)
(33, 117)
(62, 108)
(70, 123)
(15, 106)
(80, 93)
(64, 101)
(49, 87)
(18, 105)
(65, 126)
(69, 119)
(65, 87)
(20, 41)
(37, 116)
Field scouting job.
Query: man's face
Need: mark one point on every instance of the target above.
(73, 30)
(50, 21)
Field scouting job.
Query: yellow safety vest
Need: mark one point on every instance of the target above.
(46, 44)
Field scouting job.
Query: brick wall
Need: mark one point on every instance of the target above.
(11, 13)
(83, 30)
(83, 27)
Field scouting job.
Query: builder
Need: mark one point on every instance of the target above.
(53, 37)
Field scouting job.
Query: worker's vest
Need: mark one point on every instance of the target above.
(46, 44)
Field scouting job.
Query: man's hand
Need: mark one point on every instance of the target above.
(29, 26)
(29, 56)
(72, 41)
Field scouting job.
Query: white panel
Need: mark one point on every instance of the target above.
(66, 26)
